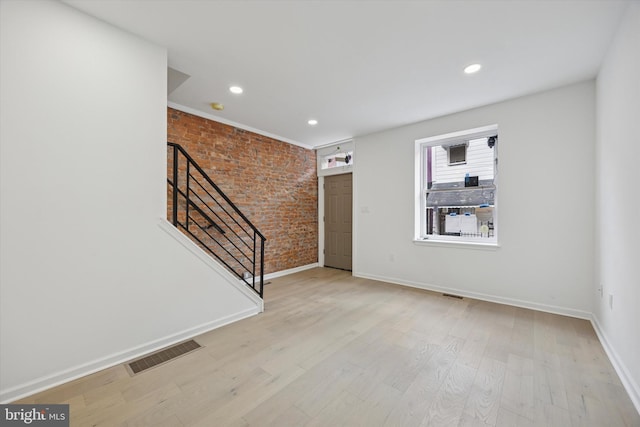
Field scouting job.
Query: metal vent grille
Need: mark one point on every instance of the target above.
(163, 356)
(452, 296)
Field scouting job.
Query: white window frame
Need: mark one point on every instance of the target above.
(450, 139)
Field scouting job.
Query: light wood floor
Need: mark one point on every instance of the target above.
(333, 350)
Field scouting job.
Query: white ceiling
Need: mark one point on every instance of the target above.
(363, 66)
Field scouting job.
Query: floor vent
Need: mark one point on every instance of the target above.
(163, 356)
(452, 296)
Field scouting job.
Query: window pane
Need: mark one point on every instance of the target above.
(457, 154)
(337, 159)
(460, 189)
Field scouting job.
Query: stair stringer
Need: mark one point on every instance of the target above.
(212, 263)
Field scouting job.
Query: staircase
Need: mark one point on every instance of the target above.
(199, 209)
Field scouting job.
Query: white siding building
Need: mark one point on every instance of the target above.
(478, 162)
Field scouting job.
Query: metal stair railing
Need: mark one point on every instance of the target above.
(203, 212)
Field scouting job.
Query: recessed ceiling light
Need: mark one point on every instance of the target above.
(236, 89)
(313, 122)
(473, 68)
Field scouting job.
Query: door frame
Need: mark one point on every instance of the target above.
(321, 221)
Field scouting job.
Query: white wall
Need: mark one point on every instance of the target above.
(545, 206)
(88, 278)
(618, 202)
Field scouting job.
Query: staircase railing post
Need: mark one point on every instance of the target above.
(253, 263)
(175, 186)
(187, 189)
(261, 266)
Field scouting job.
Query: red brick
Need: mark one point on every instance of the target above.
(272, 182)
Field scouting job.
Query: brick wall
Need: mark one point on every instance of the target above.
(272, 182)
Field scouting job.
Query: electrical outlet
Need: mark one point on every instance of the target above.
(600, 290)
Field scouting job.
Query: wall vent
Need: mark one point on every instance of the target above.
(163, 356)
(452, 296)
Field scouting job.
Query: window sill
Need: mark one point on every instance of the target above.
(493, 246)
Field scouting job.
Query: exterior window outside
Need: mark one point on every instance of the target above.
(337, 159)
(458, 187)
(457, 154)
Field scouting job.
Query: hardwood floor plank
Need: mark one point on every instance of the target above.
(498, 344)
(374, 410)
(414, 404)
(554, 416)
(468, 421)
(172, 421)
(549, 385)
(507, 418)
(271, 410)
(484, 398)
(375, 368)
(106, 411)
(518, 389)
(448, 405)
(312, 399)
(410, 364)
(338, 408)
(292, 416)
(474, 347)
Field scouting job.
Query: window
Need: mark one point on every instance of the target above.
(457, 154)
(456, 177)
(335, 159)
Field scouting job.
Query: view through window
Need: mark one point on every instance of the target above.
(458, 192)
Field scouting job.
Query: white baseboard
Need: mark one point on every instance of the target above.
(282, 273)
(290, 271)
(58, 378)
(580, 314)
(627, 380)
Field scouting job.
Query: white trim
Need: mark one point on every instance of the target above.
(488, 246)
(419, 214)
(321, 218)
(89, 368)
(580, 314)
(290, 271)
(354, 213)
(479, 132)
(340, 170)
(329, 144)
(321, 221)
(632, 388)
(167, 227)
(219, 119)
